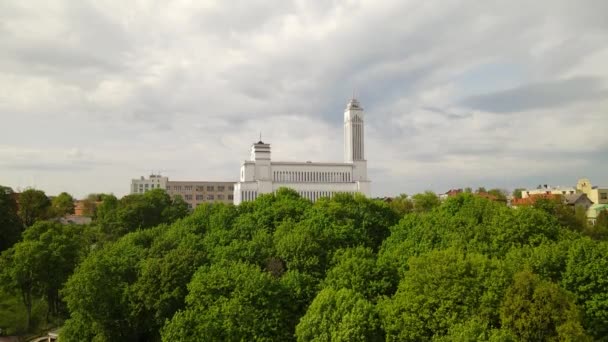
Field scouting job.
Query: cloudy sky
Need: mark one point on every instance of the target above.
(456, 93)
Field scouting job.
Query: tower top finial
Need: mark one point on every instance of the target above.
(353, 104)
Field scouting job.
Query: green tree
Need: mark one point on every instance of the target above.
(548, 260)
(564, 214)
(356, 269)
(599, 230)
(538, 310)
(342, 221)
(138, 282)
(90, 204)
(425, 201)
(33, 206)
(39, 265)
(442, 289)
(20, 267)
(517, 192)
(302, 289)
(401, 204)
(98, 294)
(586, 275)
(481, 190)
(62, 205)
(160, 289)
(339, 315)
(10, 224)
(138, 211)
(471, 223)
(602, 219)
(231, 302)
(475, 330)
(501, 195)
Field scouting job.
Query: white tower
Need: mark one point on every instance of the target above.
(353, 132)
(354, 143)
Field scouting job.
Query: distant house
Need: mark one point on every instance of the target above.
(594, 211)
(85, 208)
(545, 189)
(578, 200)
(486, 195)
(597, 195)
(450, 193)
(531, 199)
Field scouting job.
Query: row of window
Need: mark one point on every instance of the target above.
(311, 177)
(141, 190)
(549, 192)
(141, 186)
(200, 188)
(251, 195)
(188, 197)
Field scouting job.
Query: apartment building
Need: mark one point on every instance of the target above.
(548, 190)
(141, 185)
(192, 192)
(196, 193)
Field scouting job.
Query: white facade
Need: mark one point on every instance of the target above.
(548, 190)
(260, 175)
(141, 185)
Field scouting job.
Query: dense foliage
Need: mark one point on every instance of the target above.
(10, 223)
(342, 269)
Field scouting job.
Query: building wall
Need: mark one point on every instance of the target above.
(193, 192)
(196, 193)
(548, 191)
(310, 180)
(596, 195)
(141, 185)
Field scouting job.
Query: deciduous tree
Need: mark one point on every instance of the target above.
(231, 302)
(62, 205)
(425, 201)
(33, 206)
(538, 310)
(10, 224)
(339, 315)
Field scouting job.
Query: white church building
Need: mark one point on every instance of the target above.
(260, 175)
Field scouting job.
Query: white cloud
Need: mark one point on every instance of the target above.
(94, 94)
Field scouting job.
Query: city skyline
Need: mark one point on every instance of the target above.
(456, 94)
